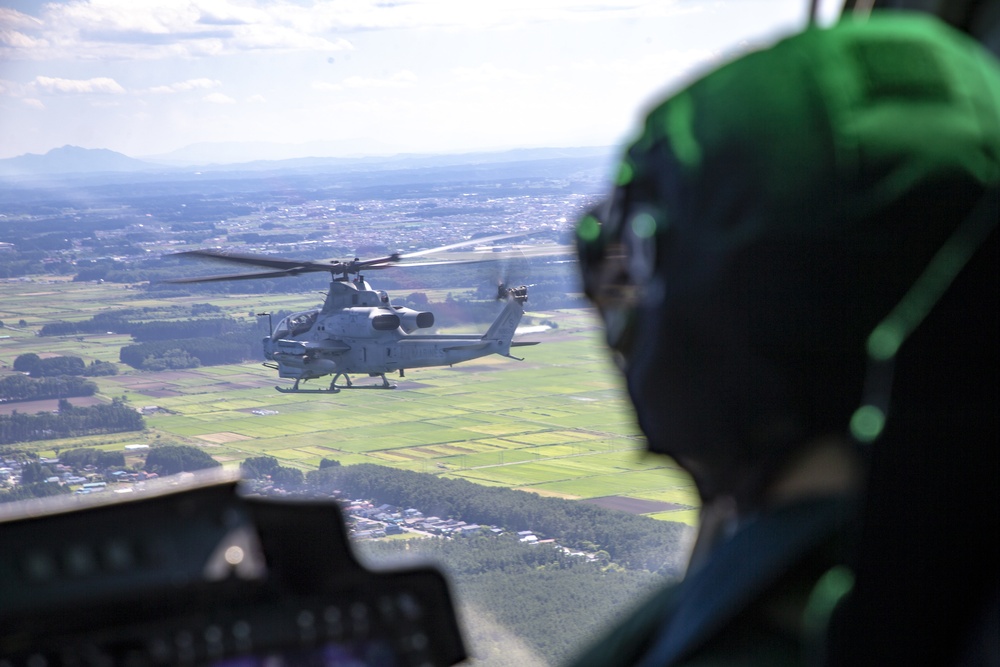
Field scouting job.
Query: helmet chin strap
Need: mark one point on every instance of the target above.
(868, 421)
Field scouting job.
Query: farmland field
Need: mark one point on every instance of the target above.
(558, 423)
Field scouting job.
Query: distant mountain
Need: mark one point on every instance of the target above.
(258, 155)
(70, 160)
(235, 152)
(408, 160)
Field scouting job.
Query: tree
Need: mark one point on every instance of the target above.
(171, 359)
(34, 472)
(35, 490)
(637, 542)
(259, 467)
(56, 366)
(418, 299)
(288, 477)
(80, 458)
(69, 422)
(23, 388)
(328, 463)
(172, 459)
(100, 368)
(25, 363)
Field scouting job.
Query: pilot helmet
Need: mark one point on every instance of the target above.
(769, 218)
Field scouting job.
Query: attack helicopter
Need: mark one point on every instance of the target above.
(357, 330)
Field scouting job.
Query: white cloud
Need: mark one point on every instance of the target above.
(57, 86)
(271, 37)
(14, 41)
(465, 15)
(325, 87)
(186, 86)
(401, 79)
(193, 84)
(221, 12)
(439, 73)
(488, 72)
(218, 98)
(11, 18)
(13, 26)
(12, 89)
(156, 29)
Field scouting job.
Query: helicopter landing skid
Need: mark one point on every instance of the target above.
(334, 388)
(295, 390)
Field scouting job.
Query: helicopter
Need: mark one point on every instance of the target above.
(357, 330)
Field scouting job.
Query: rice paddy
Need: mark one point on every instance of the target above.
(558, 423)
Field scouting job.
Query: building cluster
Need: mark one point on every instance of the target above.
(369, 521)
(266, 223)
(83, 480)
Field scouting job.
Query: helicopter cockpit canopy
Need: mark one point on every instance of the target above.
(295, 324)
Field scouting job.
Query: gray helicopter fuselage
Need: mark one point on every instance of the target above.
(358, 331)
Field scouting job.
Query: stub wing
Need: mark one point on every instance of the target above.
(325, 345)
(292, 346)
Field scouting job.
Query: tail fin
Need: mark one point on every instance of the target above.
(502, 329)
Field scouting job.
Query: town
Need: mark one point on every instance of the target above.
(122, 228)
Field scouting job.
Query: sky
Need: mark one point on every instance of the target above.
(366, 77)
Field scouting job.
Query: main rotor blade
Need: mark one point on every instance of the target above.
(232, 276)
(292, 267)
(380, 263)
(285, 267)
(263, 260)
(465, 244)
(442, 262)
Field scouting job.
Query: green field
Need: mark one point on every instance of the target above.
(558, 423)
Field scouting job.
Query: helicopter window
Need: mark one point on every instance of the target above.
(302, 323)
(470, 80)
